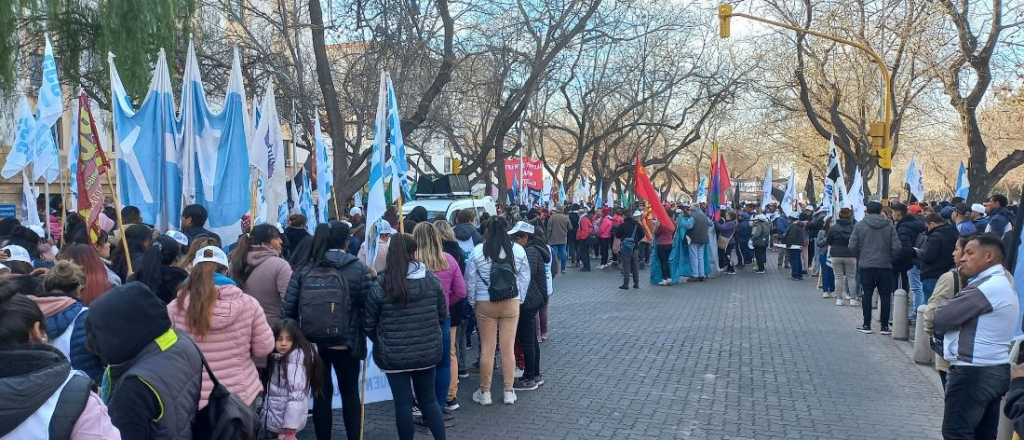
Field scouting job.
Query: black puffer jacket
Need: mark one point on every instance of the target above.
(29, 375)
(907, 228)
(539, 256)
(407, 336)
(838, 238)
(360, 282)
(936, 256)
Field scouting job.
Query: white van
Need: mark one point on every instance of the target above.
(447, 206)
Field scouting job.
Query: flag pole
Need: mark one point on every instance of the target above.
(120, 222)
(401, 220)
(362, 399)
(334, 200)
(252, 205)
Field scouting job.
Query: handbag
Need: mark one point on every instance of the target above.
(225, 415)
(723, 242)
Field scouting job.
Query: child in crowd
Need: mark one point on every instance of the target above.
(294, 376)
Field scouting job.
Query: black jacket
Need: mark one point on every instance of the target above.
(360, 282)
(194, 232)
(452, 247)
(1014, 409)
(538, 255)
(937, 253)
(292, 238)
(629, 228)
(907, 229)
(171, 278)
(407, 336)
(29, 375)
(838, 238)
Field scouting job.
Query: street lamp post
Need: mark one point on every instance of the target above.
(880, 131)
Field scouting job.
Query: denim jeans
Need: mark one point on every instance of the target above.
(561, 253)
(697, 260)
(973, 395)
(443, 375)
(402, 385)
(916, 291)
(828, 280)
(795, 264)
(928, 287)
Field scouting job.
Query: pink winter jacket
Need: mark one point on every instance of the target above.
(452, 282)
(606, 227)
(238, 334)
(94, 422)
(268, 281)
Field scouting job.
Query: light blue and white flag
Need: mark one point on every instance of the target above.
(561, 194)
(28, 201)
(213, 148)
(24, 136)
(963, 186)
(854, 199)
(149, 175)
(375, 203)
(266, 154)
(324, 173)
(702, 190)
(398, 165)
(915, 179)
(45, 156)
(766, 188)
(306, 200)
(788, 204)
(357, 199)
(599, 198)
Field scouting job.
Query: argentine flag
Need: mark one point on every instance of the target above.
(148, 138)
(375, 204)
(324, 173)
(399, 165)
(24, 133)
(306, 200)
(44, 155)
(963, 186)
(214, 153)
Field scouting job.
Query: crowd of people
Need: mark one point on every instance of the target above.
(141, 334)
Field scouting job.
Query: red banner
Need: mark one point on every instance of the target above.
(532, 175)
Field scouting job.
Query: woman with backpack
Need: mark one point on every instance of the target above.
(257, 265)
(497, 277)
(844, 259)
(760, 238)
(228, 326)
(53, 401)
(404, 319)
(326, 296)
(444, 266)
(538, 256)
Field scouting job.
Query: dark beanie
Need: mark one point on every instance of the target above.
(123, 321)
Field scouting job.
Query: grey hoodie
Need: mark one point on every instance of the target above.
(874, 242)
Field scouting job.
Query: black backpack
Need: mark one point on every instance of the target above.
(324, 305)
(225, 415)
(502, 284)
(760, 239)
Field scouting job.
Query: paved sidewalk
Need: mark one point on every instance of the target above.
(740, 357)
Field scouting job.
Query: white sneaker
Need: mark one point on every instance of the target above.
(839, 301)
(510, 397)
(482, 397)
(518, 374)
(854, 303)
(825, 295)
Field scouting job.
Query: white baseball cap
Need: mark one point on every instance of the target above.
(355, 211)
(212, 254)
(38, 229)
(179, 237)
(17, 253)
(637, 213)
(978, 207)
(383, 227)
(521, 226)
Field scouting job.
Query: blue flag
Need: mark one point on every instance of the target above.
(399, 165)
(214, 152)
(324, 172)
(147, 138)
(306, 199)
(561, 194)
(599, 198)
(963, 186)
(375, 204)
(45, 156)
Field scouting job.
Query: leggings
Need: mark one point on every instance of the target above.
(346, 368)
(402, 385)
(663, 252)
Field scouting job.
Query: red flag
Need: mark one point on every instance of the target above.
(645, 190)
(91, 164)
(723, 180)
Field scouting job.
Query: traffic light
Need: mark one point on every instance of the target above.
(724, 13)
(879, 132)
(456, 166)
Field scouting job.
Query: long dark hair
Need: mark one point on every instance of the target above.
(327, 237)
(138, 237)
(164, 251)
(18, 314)
(261, 234)
(401, 252)
(310, 359)
(496, 239)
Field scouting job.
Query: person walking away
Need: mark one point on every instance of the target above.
(663, 236)
(586, 238)
(327, 297)
(228, 326)
(935, 256)
(908, 227)
(458, 312)
(726, 241)
(874, 241)
(538, 257)
(947, 286)
(843, 259)
(443, 266)
(698, 236)
(793, 240)
(744, 229)
(558, 236)
(157, 270)
(294, 378)
(779, 227)
(629, 233)
(605, 226)
(54, 401)
(257, 266)
(497, 279)
(294, 233)
(154, 378)
(449, 244)
(977, 327)
(760, 238)
(403, 319)
(825, 273)
(465, 233)
(574, 225)
(66, 315)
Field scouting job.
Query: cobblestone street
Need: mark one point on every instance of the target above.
(739, 357)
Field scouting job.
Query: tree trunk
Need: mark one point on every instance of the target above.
(345, 183)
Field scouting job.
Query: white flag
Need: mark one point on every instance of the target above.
(915, 180)
(766, 188)
(789, 199)
(855, 197)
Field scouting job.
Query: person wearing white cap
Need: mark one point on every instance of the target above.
(228, 326)
(629, 234)
(17, 259)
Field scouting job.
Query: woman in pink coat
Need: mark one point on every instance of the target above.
(604, 232)
(228, 326)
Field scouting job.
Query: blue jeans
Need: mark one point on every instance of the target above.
(828, 280)
(697, 260)
(916, 290)
(443, 376)
(562, 254)
(927, 287)
(795, 265)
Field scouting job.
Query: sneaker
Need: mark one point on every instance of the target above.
(636, 285)
(452, 405)
(854, 303)
(760, 271)
(524, 385)
(865, 329)
(510, 397)
(416, 411)
(885, 331)
(463, 374)
(539, 380)
(624, 287)
(518, 374)
(839, 301)
(482, 397)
